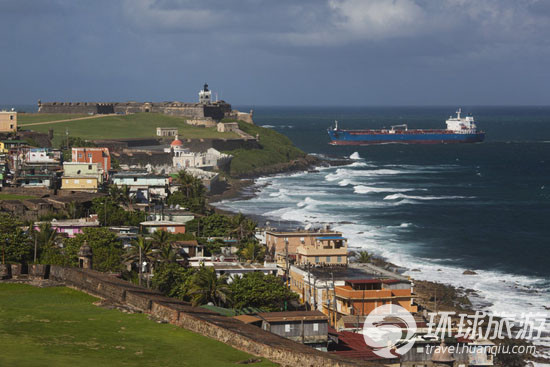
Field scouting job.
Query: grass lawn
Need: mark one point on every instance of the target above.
(139, 125)
(15, 197)
(61, 327)
(29, 118)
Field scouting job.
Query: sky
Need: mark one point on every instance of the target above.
(277, 52)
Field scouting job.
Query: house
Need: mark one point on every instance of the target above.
(71, 227)
(8, 121)
(144, 187)
(234, 268)
(361, 296)
(322, 287)
(93, 155)
(190, 248)
(326, 250)
(172, 214)
(7, 145)
(45, 175)
(225, 127)
(162, 225)
(81, 176)
(306, 327)
(456, 352)
(283, 242)
(167, 131)
(42, 155)
(184, 158)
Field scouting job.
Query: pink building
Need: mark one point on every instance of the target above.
(71, 227)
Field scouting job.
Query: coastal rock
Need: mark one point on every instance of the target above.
(469, 272)
(417, 270)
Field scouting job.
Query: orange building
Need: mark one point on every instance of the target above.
(361, 296)
(162, 225)
(93, 155)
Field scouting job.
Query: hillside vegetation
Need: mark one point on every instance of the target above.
(61, 327)
(276, 149)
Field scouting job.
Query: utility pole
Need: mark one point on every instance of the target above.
(35, 244)
(334, 297)
(140, 265)
(309, 284)
(286, 264)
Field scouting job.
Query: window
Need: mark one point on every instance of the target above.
(79, 155)
(89, 167)
(89, 181)
(11, 117)
(287, 328)
(89, 155)
(316, 327)
(11, 126)
(316, 259)
(328, 259)
(419, 349)
(76, 182)
(339, 259)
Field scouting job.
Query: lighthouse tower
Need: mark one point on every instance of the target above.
(205, 96)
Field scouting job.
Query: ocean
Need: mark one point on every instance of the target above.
(436, 210)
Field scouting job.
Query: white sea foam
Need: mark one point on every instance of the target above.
(354, 155)
(267, 126)
(362, 189)
(416, 197)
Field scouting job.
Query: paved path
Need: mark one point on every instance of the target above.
(66, 120)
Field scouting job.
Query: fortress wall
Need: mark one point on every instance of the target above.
(245, 337)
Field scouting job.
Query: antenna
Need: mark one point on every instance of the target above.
(458, 112)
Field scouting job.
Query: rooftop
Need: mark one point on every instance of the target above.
(293, 316)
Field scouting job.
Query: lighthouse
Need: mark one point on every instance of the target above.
(205, 96)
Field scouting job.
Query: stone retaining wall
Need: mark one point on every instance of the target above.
(247, 338)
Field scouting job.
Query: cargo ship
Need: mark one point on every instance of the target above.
(459, 130)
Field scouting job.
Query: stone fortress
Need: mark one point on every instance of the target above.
(206, 108)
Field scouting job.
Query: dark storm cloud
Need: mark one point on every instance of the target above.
(278, 52)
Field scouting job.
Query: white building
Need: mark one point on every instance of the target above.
(184, 158)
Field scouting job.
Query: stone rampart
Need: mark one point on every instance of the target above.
(248, 338)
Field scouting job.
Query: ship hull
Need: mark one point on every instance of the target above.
(351, 137)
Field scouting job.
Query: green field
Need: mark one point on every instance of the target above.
(30, 118)
(61, 327)
(15, 197)
(139, 125)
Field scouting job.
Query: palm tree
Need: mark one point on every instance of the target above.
(243, 227)
(186, 181)
(160, 239)
(208, 287)
(364, 257)
(142, 250)
(253, 252)
(166, 254)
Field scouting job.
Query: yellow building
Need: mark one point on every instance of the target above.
(79, 183)
(8, 121)
(328, 250)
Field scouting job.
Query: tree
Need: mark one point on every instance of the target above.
(207, 287)
(253, 251)
(243, 227)
(46, 240)
(15, 245)
(142, 251)
(259, 290)
(215, 225)
(191, 194)
(173, 280)
(111, 214)
(363, 257)
(106, 247)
